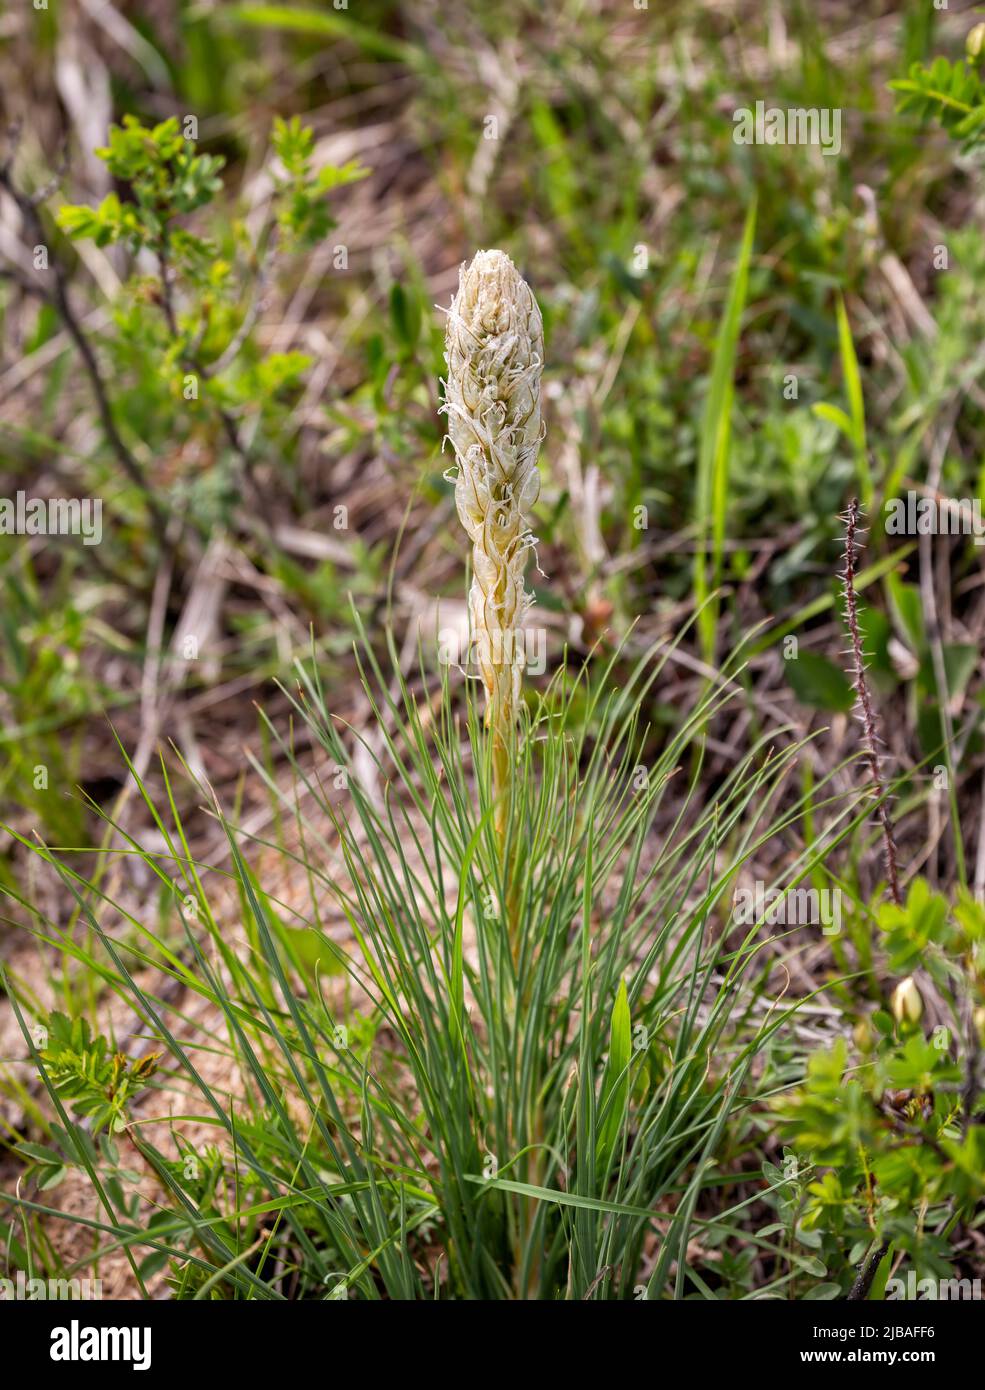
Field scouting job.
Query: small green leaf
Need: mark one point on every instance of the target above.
(50, 1178)
(960, 660)
(405, 311)
(835, 415)
(38, 1152)
(907, 609)
(615, 1084)
(819, 682)
(883, 1023)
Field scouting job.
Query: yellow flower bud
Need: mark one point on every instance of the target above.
(862, 1033)
(975, 41)
(907, 1002)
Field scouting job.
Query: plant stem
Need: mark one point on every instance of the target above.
(870, 736)
(859, 1291)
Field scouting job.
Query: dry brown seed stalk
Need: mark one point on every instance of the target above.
(494, 350)
(870, 737)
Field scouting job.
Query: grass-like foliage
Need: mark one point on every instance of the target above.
(503, 1084)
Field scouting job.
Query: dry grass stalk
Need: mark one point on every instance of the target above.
(870, 736)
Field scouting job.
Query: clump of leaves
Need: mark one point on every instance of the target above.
(90, 1076)
(511, 1126)
(896, 1132)
(167, 178)
(951, 93)
(303, 213)
(190, 370)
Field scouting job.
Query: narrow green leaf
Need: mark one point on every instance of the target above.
(714, 451)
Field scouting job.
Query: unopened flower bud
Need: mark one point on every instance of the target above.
(862, 1033)
(907, 1002)
(975, 41)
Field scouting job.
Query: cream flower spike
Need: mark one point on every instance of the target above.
(494, 350)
